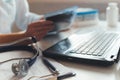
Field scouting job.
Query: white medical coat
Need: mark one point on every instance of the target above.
(15, 11)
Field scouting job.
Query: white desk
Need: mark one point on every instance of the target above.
(83, 72)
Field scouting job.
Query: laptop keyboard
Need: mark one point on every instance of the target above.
(97, 45)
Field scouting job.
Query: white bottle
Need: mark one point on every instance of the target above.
(112, 14)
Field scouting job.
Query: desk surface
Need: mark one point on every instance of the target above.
(83, 72)
(87, 72)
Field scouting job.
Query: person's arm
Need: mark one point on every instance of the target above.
(6, 38)
(37, 29)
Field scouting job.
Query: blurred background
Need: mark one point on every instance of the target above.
(45, 6)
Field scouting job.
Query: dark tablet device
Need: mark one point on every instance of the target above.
(62, 19)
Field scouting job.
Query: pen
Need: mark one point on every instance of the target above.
(67, 75)
(50, 66)
(54, 70)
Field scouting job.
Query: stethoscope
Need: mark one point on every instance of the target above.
(21, 69)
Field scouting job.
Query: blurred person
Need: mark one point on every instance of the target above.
(29, 24)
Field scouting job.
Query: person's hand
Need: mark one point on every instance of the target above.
(39, 29)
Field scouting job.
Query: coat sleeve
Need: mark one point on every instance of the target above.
(23, 15)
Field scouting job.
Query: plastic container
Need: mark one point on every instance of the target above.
(112, 14)
(87, 16)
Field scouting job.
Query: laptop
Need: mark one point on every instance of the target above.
(96, 48)
(62, 19)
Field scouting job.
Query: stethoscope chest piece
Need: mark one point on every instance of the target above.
(21, 69)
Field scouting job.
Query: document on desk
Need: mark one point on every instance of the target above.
(38, 69)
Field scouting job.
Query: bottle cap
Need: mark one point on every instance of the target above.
(112, 4)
